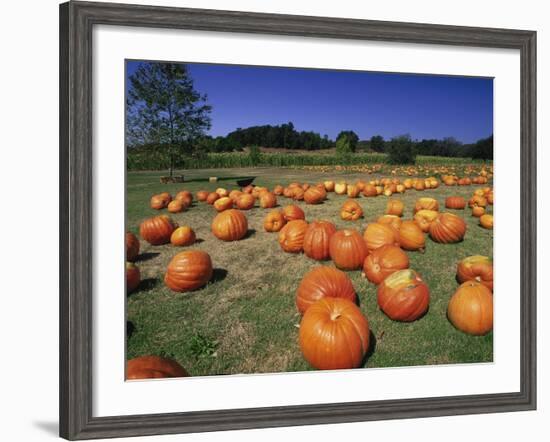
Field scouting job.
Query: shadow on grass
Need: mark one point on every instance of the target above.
(249, 233)
(371, 349)
(147, 256)
(218, 275)
(145, 284)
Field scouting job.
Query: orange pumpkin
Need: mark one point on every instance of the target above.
(291, 236)
(133, 277)
(321, 282)
(455, 202)
(274, 221)
(314, 195)
(202, 195)
(348, 249)
(175, 206)
(329, 185)
(470, 309)
(426, 204)
(132, 246)
(230, 225)
(298, 193)
(158, 202)
(245, 201)
(478, 211)
(370, 190)
(188, 271)
(411, 236)
(404, 296)
(317, 239)
(223, 203)
(447, 228)
(351, 211)
(267, 200)
(477, 201)
(212, 197)
(234, 195)
(353, 191)
(486, 221)
(293, 212)
(491, 198)
(334, 334)
(157, 230)
(183, 236)
(278, 190)
(384, 261)
(476, 268)
(341, 188)
(150, 367)
(185, 197)
(423, 218)
(221, 191)
(391, 220)
(377, 235)
(395, 207)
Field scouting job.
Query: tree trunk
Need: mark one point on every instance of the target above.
(171, 165)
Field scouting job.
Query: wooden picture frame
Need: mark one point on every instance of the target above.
(76, 164)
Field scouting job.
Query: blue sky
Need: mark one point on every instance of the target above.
(327, 101)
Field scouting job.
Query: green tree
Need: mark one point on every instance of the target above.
(377, 143)
(163, 108)
(352, 139)
(401, 150)
(343, 146)
(254, 155)
(483, 149)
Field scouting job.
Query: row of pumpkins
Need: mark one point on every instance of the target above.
(326, 296)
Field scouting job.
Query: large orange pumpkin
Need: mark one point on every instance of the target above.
(348, 249)
(370, 190)
(183, 236)
(377, 235)
(411, 236)
(391, 220)
(314, 195)
(132, 246)
(230, 225)
(317, 240)
(188, 271)
(384, 261)
(320, 282)
(150, 367)
(267, 200)
(403, 296)
(455, 202)
(395, 207)
(424, 218)
(426, 204)
(334, 334)
(470, 309)
(351, 211)
(133, 277)
(157, 230)
(291, 236)
(447, 228)
(476, 268)
(274, 221)
(185, 197)
(293, 212)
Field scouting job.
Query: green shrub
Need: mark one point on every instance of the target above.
(401, 150)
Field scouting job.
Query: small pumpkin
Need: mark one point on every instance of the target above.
(221, 191)
(423, 218)
(403, 296)
(293, 212)
(291, 236)
(278, 190)
(132, 247)
(370, 190)
(486, 221)
(133, 277)
(317, 240)
(334, 334)
(157, 230)
(447, 228)
(353, 191)
(314, 195)
(384, 261)
(477, 201)
(185, 197)
(188, 271)
(212, 197)
(455, 202)
(321, 282)
(377, 235)
(426, 204)
(411, 236)
(268, 200)
(348, 249)
(340, 188)
(150, 367)
(223, 203)
(274, 221)
(158, 202)
(245, 201)
(230, 225)
(175, 206)
(329, 185)
(351, 211)
(395, 207)
(391, 220)
(202, 195)
(470, 308)
(478, 211)
(476, 268)
(183, 236)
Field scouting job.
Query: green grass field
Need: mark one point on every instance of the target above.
(245, 320)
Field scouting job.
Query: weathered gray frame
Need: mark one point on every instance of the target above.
(76, 22)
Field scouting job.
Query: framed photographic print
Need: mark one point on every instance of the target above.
(272, 220)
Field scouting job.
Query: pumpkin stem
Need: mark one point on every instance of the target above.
(334, 316)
